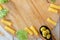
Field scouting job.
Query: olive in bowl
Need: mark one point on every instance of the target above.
(45, 32)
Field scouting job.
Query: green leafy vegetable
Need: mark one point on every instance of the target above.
(3, 13)
(22, 35)
(53, 1)
(3, 1)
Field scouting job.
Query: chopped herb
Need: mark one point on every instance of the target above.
(22, 35)
(53, 1)
(3, 1)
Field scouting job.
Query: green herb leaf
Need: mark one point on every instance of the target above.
(53, 1)
(3, 13)
(22, 35)
(3, 1)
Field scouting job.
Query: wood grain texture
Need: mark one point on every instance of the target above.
(25, 13)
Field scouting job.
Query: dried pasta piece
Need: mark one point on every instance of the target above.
(54, 6)
(28, 30)
(34, 30)
(6, 22)
(52, 10)
(12, 31)
(51, 21)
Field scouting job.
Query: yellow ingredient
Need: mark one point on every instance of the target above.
(12, 31)
(1, 7)
(51, 21)
(44, 33)
(47, 31)
(34, 30)
(43, 29)
(54, 6)
(52, 10)
(6, 22)
(29, 31)
(48, 36)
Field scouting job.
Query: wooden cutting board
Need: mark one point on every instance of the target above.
(25, 13)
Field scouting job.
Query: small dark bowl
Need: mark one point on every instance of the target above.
(48, 29)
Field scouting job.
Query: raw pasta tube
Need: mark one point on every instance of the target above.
(54, 6)
(28, 30)
(6, 22)
(51, 21)
(12, 31)
(52, 10)
(34, 30)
